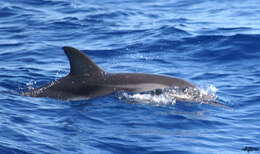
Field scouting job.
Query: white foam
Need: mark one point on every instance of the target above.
(170, 95)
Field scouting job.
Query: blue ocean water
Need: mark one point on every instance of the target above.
(209, 43)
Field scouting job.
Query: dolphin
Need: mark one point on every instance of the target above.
(87, 80)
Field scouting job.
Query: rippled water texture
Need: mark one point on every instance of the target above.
(209, 43)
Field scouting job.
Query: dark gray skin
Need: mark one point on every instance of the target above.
(86, 80)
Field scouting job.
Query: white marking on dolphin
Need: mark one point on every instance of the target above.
(86, 80)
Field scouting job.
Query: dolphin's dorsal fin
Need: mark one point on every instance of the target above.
(80, 64)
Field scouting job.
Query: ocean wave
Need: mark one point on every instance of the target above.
(206, 42)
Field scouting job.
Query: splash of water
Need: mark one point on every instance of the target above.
(30, 84)
(171, 95)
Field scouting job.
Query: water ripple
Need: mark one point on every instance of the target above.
(206, 42)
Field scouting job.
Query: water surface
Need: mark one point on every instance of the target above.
(209, 43)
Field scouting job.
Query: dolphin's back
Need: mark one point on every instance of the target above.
(139, 82)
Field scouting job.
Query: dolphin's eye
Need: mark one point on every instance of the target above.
(158, 91)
